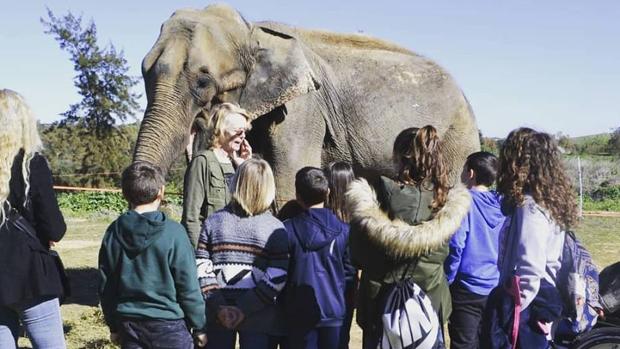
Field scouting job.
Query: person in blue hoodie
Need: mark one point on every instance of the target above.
(471, 266)
(148, 283)
(314, 297)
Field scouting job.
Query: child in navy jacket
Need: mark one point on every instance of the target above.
(314, 298)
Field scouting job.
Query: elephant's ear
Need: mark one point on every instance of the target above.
(280, 72)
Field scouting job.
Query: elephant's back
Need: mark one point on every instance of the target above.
(367, 60)
(318, 39)
(383, 88)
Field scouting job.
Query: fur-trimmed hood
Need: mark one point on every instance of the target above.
(400, 239)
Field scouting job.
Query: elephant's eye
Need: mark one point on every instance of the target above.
(203, 82)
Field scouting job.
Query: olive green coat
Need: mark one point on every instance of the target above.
(204, 191)
(398, 237)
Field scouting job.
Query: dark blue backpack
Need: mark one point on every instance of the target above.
(578, 283)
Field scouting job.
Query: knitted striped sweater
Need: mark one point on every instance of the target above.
(243, 261)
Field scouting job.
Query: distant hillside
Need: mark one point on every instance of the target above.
(591, 145)
(601, 138)
(597, 144)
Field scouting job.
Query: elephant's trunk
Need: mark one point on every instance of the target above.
(165, 128)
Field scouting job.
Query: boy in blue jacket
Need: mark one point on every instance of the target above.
(314, 298)
(471, 266)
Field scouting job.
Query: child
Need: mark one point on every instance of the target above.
(471, 266)
(538, 195)
(147, 272)
(340, 175)
(399, 232)
(242, 260)
(314, 297)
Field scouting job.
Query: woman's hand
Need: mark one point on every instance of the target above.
(200, 339)
(244, 153)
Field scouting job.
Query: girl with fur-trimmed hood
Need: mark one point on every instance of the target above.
(402, 231)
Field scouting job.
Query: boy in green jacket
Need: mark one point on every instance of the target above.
(147, 271)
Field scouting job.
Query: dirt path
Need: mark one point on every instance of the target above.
(601, 213)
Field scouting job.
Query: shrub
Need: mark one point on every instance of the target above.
(600, 205)
(86, 203)
(596, 171)
(92, 202)
(606, 193)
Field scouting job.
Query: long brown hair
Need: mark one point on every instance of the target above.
(418, 158)
(530, 163)
(339, 175)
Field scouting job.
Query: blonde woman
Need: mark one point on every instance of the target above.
(242, 260)
(30, 285)
(205, 189)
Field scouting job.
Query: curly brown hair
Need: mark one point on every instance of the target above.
(530, 163)
(417, 154)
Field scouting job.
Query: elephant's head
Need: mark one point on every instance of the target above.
(206, 57)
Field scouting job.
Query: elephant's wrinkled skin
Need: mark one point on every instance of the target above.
(315, 96)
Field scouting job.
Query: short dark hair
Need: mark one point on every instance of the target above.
(141, 182)
(311, 185)
(484, 165)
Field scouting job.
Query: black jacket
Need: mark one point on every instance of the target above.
(27, 272)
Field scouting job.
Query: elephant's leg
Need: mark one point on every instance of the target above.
(460, 140)
(296, 142)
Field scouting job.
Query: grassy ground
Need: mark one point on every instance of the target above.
(83, 323)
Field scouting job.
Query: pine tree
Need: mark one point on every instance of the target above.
(101, 78)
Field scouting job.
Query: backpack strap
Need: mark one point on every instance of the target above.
(414, 263)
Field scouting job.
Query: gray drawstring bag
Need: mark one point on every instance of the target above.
(408, 319)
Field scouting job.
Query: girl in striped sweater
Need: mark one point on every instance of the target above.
(242, 260)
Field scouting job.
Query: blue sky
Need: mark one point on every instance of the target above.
(552, 65)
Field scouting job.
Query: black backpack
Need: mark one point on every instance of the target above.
(610, 288)
(578, 283)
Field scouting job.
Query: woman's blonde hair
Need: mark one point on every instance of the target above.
(18, 132)
(215, 123)
(253, 187)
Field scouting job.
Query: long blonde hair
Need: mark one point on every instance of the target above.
(253, 187)
(18, 132)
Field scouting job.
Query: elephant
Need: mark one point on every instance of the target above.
(313, 96)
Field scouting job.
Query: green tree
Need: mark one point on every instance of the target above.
(101, 78)
(488, 144)
(80, 158)
(566, 142)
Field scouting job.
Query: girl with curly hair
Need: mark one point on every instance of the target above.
(539, 198)
(402, 233)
